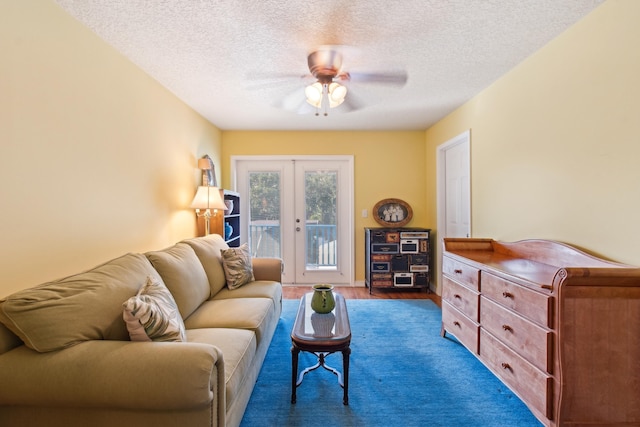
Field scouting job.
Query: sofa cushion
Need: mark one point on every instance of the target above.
(237, 266)
(255, 289)
(152, 315)
(238, 349)
(183, 274)
(85, 306)
(207, 249)
(255, 314)
(8, 340)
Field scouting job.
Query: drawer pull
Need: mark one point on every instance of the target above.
(457, 271)
(507, 328)
(456, 323)
(507, 294)
(505, 365)
(457, 296)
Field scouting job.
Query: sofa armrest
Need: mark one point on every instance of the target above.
(115, 374)
(268, 269)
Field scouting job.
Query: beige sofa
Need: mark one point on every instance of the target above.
(66, 358)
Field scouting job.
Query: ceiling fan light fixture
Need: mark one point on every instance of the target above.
(337, 92)
(313, 93)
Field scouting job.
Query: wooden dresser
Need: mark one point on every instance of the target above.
(559, 327)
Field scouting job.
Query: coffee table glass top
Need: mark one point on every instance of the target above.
(314, 327)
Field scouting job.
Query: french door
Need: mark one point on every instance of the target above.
(299, 209)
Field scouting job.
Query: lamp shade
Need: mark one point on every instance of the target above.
(204, 163)
(208, 198)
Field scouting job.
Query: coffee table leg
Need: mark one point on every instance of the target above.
(294, 372)
(345, 371)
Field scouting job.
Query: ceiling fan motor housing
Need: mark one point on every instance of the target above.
(324, 64)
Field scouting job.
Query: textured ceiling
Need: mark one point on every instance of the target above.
(239, 63)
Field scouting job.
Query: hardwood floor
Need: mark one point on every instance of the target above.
(352, 292)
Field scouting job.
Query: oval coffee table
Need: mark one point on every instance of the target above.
(322, 335)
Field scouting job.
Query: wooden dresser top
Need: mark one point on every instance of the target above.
(534, 262)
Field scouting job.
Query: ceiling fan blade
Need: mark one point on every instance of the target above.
(398, 78)
(260, 82)
(352, 102)
(295, 102)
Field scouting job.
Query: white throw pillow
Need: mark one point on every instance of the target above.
(152, 315)
(238, 269)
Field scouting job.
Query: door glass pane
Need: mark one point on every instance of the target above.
(264, 216)
(321, 213)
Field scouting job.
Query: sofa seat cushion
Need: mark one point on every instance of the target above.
(254, 314)
(183, 274)
(157, 376)
(255, 289)
(82, 307)
(238, 347)
(207, 249)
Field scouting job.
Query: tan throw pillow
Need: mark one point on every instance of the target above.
(152, 315)
(238, 269)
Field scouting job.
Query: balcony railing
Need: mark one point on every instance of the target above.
(321, 241)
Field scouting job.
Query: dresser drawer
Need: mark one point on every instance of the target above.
(529, 340)
(463, 328)
(463, 273)
(380, 266)
(531, 384)
(528, 303)
(382, 283)
(461, 297)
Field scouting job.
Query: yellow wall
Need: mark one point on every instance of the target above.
(386, 165)
(555, 143)
(97, 158)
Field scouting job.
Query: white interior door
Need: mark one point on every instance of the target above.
(299, 209)
(454, 192)
(457, 191)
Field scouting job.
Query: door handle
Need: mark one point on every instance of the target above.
(297, 228)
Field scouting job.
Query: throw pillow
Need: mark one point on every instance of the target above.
(238, 269)
(152, 315)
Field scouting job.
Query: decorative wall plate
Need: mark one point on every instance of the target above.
(392, 213)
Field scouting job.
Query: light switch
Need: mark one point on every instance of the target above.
(364, 213)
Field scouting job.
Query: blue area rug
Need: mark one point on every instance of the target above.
(402, 373)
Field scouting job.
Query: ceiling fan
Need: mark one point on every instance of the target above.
(329, 84)
(330, 88)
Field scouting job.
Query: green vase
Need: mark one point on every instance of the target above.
(322, 300)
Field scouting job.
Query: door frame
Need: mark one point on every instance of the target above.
(349, 183)
(441, 192)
